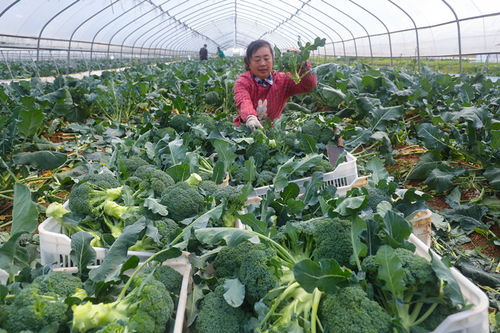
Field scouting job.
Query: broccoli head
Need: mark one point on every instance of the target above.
(234, 201)
(207, 187)
(217, 316)
(146, 308)
(33, 310)
(260, 152)
(323, 166)
(265, 178)
(128, 166)
(182, 201)
(166, 230)
(150, 180)
(350, 310)
(61, 283)
(333, 240)
(180, 122)
(89, 198)
(171, 279)
(252, 264)
(104, 179)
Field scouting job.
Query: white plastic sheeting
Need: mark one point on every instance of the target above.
(351, 27)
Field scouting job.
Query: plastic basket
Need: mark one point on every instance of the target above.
(343, 177)
(181, 265)
(473, 320)
(422, 225)
(55, 246)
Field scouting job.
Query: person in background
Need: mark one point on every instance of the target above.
(220, 53)
(261, 92)
(204, 52)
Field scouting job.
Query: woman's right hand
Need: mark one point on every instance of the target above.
(253, 123)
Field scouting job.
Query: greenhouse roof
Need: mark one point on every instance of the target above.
(365, 28)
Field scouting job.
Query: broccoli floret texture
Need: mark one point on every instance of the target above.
(350, 310)
(61, 283)
(182, 201)
(33, 310)
(171, 279)
(216, 316)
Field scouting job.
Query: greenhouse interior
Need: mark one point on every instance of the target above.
(352, 145)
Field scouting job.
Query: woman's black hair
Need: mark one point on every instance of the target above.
(253, 47)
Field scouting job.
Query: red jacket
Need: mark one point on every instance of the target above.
(247, 93)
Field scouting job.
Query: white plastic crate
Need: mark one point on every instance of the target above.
(181, 265)
(473, 320)
(343, 177)
(55, 246)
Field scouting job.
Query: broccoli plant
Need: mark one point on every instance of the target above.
(292, 63)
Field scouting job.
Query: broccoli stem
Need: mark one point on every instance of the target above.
(314, 312)
(288, 292)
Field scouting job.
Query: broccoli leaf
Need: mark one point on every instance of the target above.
(231, 236)
(291, 167)
(82, 254)
(359, 248)
(24, 214)
(327, 275)
(117, 254)
(452, 287)
(234, 292)
(390, 271)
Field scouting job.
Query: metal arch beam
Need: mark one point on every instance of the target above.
(81, 24)
(9, 7)
(361, 25)
(107, 24)
(334, 31)
(204, 13)
(381, 22)
(130, 22)
(251, 19)
(176, 20)
(416, 31)
(153, 35)
(286, 20)
(167, 41)
(273, 18)
(315, 18)
(459, 35)
(47, 23)
(348, 30)
(177, 42)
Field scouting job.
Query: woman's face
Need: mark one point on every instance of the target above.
(261, 62)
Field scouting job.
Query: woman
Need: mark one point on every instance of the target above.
(262, 93)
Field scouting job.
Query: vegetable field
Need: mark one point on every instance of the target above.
(148, 160)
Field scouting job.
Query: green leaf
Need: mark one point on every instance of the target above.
(225, 152)
(177, 151)
(250, 171)
(327, 275)
(155, 206)
(82, 254)
(117, 254)
(396, 227)
(232, 236)
(291, 167)
(308, 144)
(433, 137)
(31, 120)
(12, 256)
(42, 160)
(470, 114)
(383, 116)
(25, 213)
(179, 173)
(359, 248)
(376, 167)
(291, 191)
(254, 223)
(440, 180)
(390, 271)
(350, 205)
(332, 96)
(219, 172)
(199, 223)
(492, 174)
(234, 292)
(427, 162)
(443, 272)
(453, 199)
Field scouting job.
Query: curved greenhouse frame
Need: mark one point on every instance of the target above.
(355, 29)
